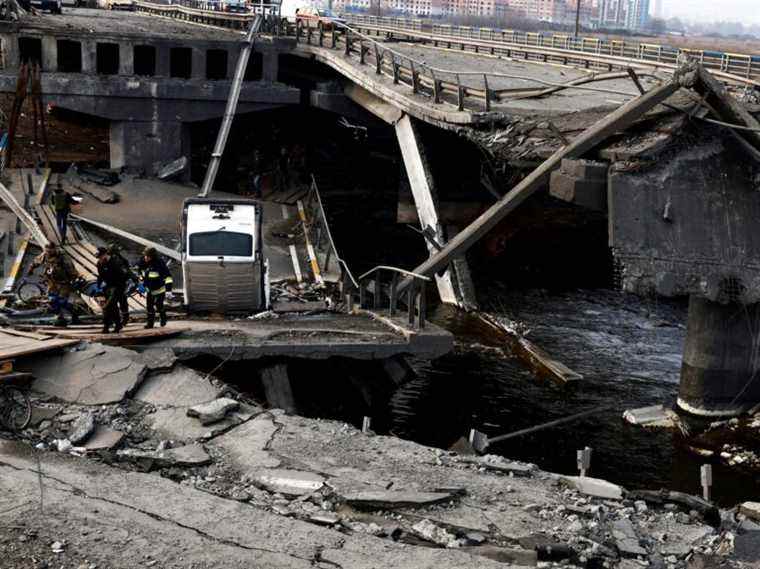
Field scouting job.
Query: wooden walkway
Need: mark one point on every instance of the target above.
(17, 343)
(80, 252)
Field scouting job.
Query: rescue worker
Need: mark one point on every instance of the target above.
(114, 252)
(157, 280)
(62, 205)
(59, 276)
(112, 280)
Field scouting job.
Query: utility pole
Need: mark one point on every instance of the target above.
(577, 17)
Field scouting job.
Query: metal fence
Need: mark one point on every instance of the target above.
(741, 65)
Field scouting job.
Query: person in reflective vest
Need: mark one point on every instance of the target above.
(62, 205)
(59, 277)
(157, 281)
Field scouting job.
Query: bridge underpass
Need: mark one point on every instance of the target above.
(518, 130)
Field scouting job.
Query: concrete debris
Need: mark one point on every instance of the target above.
(324, 518)
(428, 531)
(656, 416)
(173, 423)
(213, 411)
(103, 439)
(82, 427)
(40, 414)
(158, 359)
(173, 168)
(595, 487)
(288, 482)
(96, 375)
(389, 499)
(57, 547)
(188, 455)
(180, 387)
(520, 557)
(751, 510)
(626, 539)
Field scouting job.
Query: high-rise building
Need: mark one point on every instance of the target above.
(659, 12)
(638, 14)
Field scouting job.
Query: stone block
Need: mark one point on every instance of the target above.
(213, 411)
(751, 510)
(585, 169)
(289, 482)
(591, 194)
(103, 439)
(595, 487)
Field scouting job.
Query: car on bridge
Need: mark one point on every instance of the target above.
(325, 20)
(52, 6)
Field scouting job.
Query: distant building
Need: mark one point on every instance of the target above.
(638, 14)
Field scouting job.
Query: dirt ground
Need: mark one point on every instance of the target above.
(72, 137)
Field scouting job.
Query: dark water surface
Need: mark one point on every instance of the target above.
(629, 352)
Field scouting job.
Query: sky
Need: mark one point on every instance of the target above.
(745, 11)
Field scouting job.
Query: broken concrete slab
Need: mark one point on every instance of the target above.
(180, 387)
(747, 547)
(595, 487)
(40, 414)
(95, 375)
(172, 423)
(324, 518)
(427, 530)
(626, 538)
(246, 445)
(82, 427)
(751, 510)
(188, 455)
(213, 411)
(656, 416)
(103, 439)
(377, 499)
(158, 359)
(288, 482)
(522, 557)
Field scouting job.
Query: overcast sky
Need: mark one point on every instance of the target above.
(745, 11)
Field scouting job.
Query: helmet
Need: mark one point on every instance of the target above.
(101, 251)
(149, 252)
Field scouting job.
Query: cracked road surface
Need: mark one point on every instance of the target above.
(126, 519)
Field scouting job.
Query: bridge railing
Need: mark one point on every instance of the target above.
(744, 66)
(372, 283)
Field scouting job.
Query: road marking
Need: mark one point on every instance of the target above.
(296, 265)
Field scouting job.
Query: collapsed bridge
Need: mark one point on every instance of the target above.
(620, 136)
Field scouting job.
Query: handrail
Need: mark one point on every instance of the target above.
(396, 270)
(346, 271)
(738, 67)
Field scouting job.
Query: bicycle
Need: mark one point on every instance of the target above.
(15, 407)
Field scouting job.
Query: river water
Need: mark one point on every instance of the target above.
(628, 350)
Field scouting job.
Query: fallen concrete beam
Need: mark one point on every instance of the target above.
(373, 104)
(23, 215)
(165, 251)
(277, 388)
(616, 121)
(426, 200)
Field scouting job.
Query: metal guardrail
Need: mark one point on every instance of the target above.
(740, 65)
(416, 301)
(213, 13)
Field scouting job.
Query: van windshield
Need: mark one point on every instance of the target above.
(221, 244)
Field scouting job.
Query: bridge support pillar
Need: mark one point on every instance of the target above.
(9, 51)
(199, 63)
(450, 288)
(89, 57)
(270, 65)
(719, 374)
(49, 54)
(147, 145)
(126, 58)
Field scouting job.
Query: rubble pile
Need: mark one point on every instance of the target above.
(735, 442)
(175, 423)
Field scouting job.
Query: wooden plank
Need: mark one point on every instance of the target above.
(34, 229)
(35, 347)
(166, 251)
(24, 334)
(616, 121)
(122, 338)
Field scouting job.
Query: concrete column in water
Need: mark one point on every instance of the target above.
(270, 62)
(89, 57)
(720, 372)
(126, 58)
(426, 201)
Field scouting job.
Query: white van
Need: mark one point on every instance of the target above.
(223, 262)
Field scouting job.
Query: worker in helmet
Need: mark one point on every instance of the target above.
(112, 280)
(62, 205)
(157, 280)
(59, 277)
